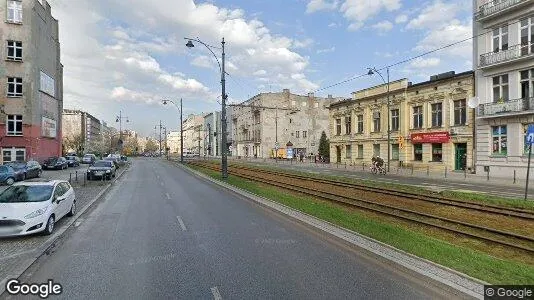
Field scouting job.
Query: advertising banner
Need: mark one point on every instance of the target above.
(430, 137)
(48, 127)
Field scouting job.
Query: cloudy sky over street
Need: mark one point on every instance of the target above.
(129, 54)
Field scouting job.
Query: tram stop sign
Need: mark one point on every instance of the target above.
(530, 134)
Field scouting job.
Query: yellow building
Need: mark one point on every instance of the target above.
(431, 124)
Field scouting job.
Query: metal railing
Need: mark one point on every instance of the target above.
(493, 7)
(510, 106)
(513, 52)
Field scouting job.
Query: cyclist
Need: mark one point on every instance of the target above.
(377, 162)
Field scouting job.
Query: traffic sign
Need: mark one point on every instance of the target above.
(530, 134)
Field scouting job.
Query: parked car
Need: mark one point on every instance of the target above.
(57, 163)
(35, 206)
(114, 160)
(102, 168)
(26, 170)
(88, 158)
(73, 160)
(7, 175)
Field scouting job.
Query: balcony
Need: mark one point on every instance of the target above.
(511, 107)
(493, 8)
(515, 52)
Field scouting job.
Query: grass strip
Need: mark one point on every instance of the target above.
(465, 260)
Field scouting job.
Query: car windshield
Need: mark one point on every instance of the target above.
(26, 193)
(52, 159)
(70, 158)
(16, 166)
(102, 164)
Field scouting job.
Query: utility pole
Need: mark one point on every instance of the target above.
(199, 139)
(159, 138)
(181, 134)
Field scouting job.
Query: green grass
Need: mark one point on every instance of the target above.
(465, 260)
(458, 195)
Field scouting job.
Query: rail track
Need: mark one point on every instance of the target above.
(484, 233)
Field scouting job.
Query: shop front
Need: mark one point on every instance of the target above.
(431, 149)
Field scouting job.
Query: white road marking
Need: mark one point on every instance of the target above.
(216, 294)
(181, 223)
(168, 196)
(78, 223)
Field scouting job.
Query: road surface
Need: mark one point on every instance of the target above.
(164, 234)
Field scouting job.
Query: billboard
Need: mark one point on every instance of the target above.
(48, 127)
(430, 137)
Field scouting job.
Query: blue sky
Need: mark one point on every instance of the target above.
(128, 55)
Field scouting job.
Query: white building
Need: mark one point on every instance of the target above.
(194, 134)
(503, 59)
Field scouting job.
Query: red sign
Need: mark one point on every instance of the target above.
(430, 137)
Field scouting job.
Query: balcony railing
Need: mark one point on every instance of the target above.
(514, 52)
(507, 107)
(493, 7)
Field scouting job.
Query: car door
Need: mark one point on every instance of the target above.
(69, 196)
(58, 208)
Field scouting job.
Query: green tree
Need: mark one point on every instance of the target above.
(73, 143)
(324, 145)
(151, 146)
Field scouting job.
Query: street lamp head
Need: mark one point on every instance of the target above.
(164, 102)
(370, 72)
(127, 120)
(117, 120)
(190, 44)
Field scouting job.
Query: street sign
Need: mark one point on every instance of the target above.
(530, 141)
(530, 134)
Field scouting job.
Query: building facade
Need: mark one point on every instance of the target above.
(79, 123)
(265, 124)
(212, 140)
(173, 141)
(194, 134)
(503, 59)
(31, 100)
(431, 125)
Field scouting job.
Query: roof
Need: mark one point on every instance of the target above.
(431, 82)
(40, 181)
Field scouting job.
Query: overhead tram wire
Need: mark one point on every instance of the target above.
(412, 58)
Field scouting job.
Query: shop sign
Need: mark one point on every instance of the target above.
(430, 137)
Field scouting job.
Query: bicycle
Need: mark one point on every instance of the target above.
(378, 170)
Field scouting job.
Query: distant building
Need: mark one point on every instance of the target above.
(503, 60)
(79, 123)
(194, 134)
(265, 124)
(212, 127)
(31, 100)
(173, 141)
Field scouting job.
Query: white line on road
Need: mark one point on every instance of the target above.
(181, 223)
(168, 196)
(216, 294)
(78, 223)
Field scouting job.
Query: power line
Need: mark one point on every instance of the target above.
(413, 58)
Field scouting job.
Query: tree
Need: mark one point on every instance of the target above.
(324, 146)
(151, 146)
(73, 143)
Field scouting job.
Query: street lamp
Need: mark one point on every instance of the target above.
(224, 158)
(371, 72)
(119, 120)
(165, 101)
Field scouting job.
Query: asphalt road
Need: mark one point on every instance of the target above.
(164, 234)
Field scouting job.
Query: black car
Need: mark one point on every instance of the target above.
(57, 163)
(72, 160)
(101, 168)
(26, 170)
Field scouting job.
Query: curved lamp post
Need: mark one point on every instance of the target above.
(165, 101)
(371, 72)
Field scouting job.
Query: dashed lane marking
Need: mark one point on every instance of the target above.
(168, 196)
(216, 294)
(181, 223)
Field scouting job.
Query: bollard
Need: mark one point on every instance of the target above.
(514, 177)
(487, 174)
(70, 177)
(427, 170)
(363, 166)
(445, 171)
(345, 165)
(76, 176)
(84, 179)
(412, 169)
(465, 173)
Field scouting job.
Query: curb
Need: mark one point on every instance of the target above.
(51, 240)
(444, 275)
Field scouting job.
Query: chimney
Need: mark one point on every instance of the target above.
(310, 95)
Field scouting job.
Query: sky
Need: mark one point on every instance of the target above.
(125, 56)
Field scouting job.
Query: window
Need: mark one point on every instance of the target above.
(14, 50)
(297, 134)
(460, 112)
(304, 134)
(394, 120)
(360, 151)
(500, 88)
(14, 87)
(418, 117)
(499, 139)
(14, 11)
(290, 121)
(500, 39)
(527, 84)
(376, 150)
(347, 125)
(348, 153)
(360, 123)
(437, 115)
(20, 155)
(338, 126)
(395, 151)
(437, 152)
(14, 124)
(527, 36)
(376, 121)
(418, 152)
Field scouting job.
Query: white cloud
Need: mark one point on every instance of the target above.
(317, 5)
(435, 15)
(453, 32)
(260, 73)
(327, 50)
(401, 19)
(383, 26)
(302, 44)
(358, 11)
(333, 25)
(422, 63)
(203, 61)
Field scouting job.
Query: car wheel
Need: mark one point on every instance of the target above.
(10, 181)
(23, 177)
(49, 226)
(39, 173)
(72, 211)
